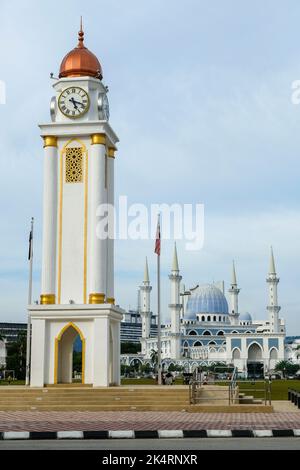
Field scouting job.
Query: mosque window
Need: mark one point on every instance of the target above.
(203, 318)
(74, 163)
(212, 343)
(206, 333)
(220, 333)
(197, 344)
(215, 318)
(193, 332)
(208, 318)
(220, 318)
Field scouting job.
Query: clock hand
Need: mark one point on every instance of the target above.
(74, 103)
(78, 102)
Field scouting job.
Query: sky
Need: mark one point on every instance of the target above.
(200, 97)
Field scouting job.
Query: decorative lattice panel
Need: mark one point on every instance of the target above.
(74, 161)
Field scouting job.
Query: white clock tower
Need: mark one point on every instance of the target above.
(77, 286)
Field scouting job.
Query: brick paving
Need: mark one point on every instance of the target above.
(148, 420)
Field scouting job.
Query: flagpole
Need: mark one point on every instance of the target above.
(28, 343)
(158, 322)
(159, 378)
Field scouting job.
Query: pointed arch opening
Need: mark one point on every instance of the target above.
(274, 354)
(64, 363)
(254, 352)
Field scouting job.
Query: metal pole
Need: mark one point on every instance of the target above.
(28, 343)
(158, 322)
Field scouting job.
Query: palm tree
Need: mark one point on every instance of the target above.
(154, 358)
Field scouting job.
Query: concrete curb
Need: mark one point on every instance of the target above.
(159, 434)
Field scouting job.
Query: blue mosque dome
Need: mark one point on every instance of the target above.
(245, 317)
(206, 299)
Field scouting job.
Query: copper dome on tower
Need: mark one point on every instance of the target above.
(80, 62)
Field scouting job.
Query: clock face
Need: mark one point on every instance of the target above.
(103, 107)
(74, 102)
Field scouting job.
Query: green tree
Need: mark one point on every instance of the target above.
(154, 358)
(146, 368)
(175, 368)
(16, 356)
(287, 367)
(77, 361)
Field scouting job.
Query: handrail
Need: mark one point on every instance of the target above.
(233, 387)
(197, 382)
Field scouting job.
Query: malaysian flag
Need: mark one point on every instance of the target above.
(30, 246)
(30, 250)
(157, 240)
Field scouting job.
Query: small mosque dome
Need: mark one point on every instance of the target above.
(245, 317)
(206, 299)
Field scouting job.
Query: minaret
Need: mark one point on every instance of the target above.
(234, 292)
(175, 305)
(145, 290)
(273, 307)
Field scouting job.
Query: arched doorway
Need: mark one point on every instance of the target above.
(255, 364)
(64, 344)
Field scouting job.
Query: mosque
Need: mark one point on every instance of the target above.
(206, 328)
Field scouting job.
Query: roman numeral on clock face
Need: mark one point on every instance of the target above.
(73, 102)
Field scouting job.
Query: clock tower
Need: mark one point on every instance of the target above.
(77, 285)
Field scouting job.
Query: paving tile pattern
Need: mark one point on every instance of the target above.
(131, 420)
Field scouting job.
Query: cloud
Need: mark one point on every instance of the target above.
(200, 98)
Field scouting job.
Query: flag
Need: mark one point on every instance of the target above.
(30, 245)
(157, 240)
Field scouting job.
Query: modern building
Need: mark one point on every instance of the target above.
(131, 326)
(2, 354)
(11, 331)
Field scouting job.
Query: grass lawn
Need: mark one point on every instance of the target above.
(279, 387)
(13, 382)
(143, 381)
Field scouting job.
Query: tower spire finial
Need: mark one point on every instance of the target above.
(233, 277)
(146, 272)
(80, 35)
(272, 269)
(175, 266)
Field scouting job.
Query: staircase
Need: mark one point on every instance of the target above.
(85, 398)
(249, 400)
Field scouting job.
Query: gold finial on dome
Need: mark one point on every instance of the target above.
(80, 62)
(80, 35)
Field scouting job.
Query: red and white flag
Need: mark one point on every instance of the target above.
(157, 240)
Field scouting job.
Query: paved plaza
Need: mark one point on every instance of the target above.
(287, 417)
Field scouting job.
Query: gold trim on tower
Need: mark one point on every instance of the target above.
(98, 139)
(111, 152)
(96, 298)
(110, 300)
(47, 299)
(50, 141)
